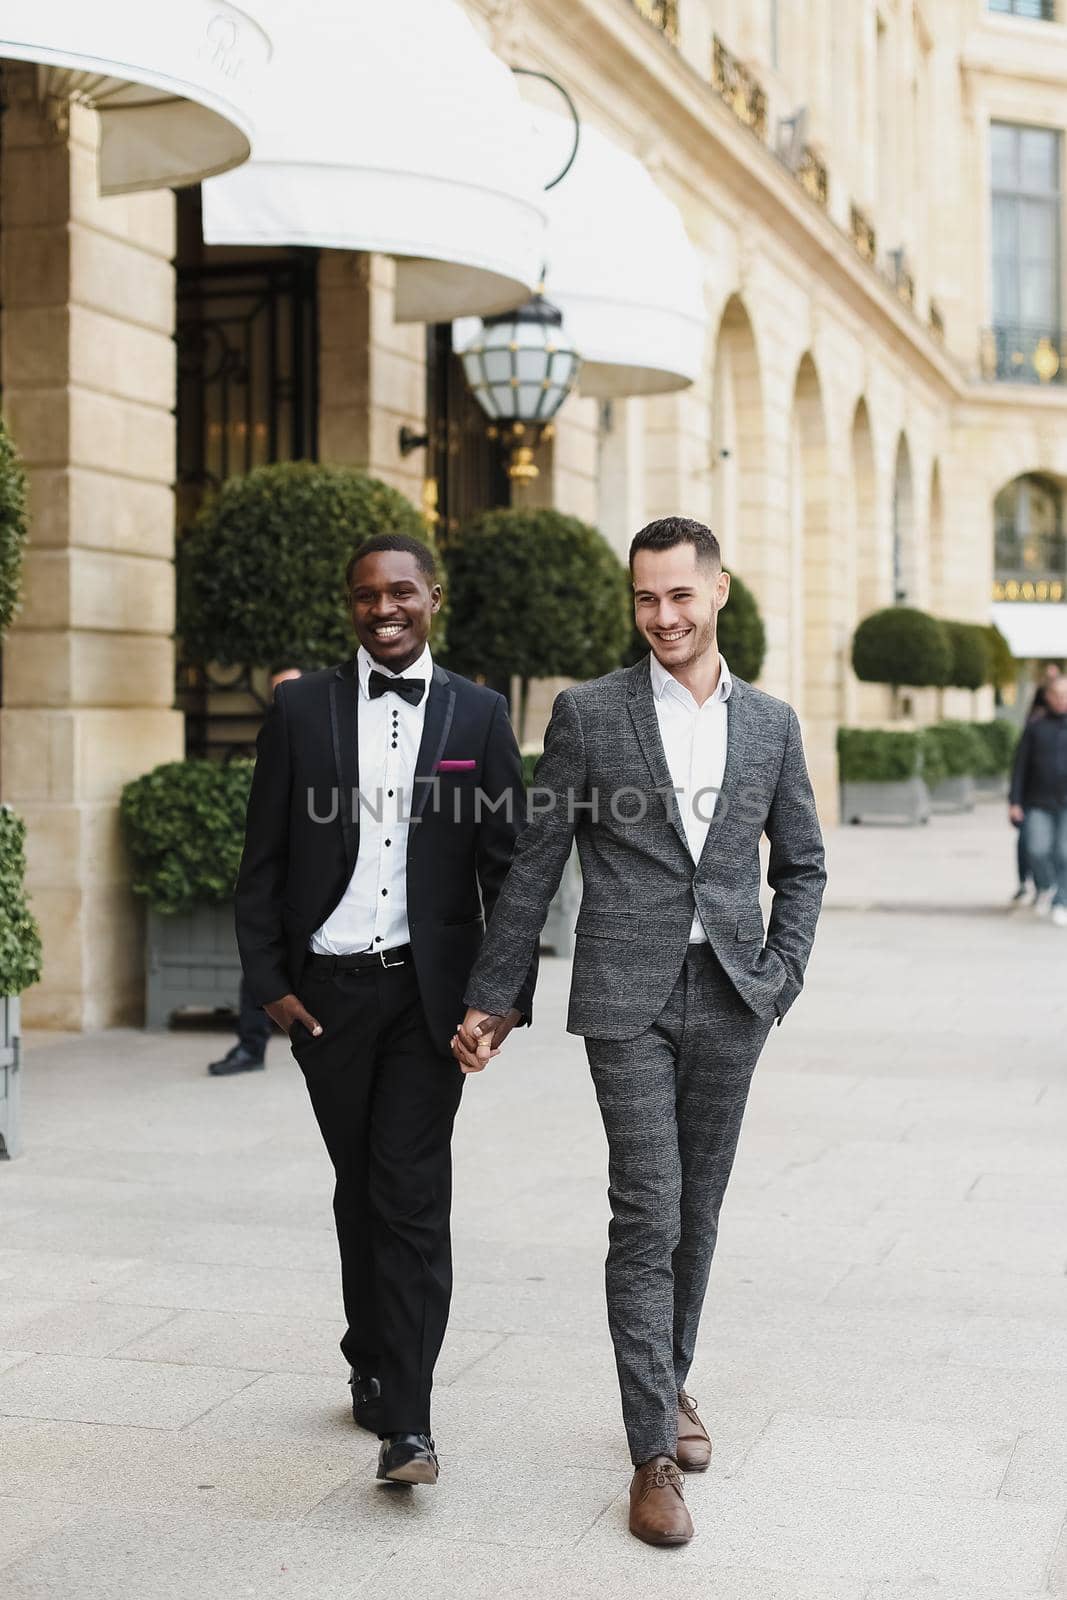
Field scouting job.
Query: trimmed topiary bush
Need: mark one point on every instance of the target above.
(184, 825)
(999, 739)
(971, 664)
(537, 594)
(13, 528)
(20, 938)
(902, 646)
(261, 573)
(961, 749)
(1002, 664)
(877, 755)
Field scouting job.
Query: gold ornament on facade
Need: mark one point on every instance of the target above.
(1046, 359)
(741, 90)
(814, 176)
(861, 231)
(663, 14)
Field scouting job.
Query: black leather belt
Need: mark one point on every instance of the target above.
(361, 961)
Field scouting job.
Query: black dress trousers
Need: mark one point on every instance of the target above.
(385, 1097)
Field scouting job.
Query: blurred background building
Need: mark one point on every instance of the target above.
(814, 248)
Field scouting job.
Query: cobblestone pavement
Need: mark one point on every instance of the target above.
(883, 1361)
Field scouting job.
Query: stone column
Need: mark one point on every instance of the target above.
(87, 287)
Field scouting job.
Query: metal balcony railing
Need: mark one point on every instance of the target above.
(1017, 353)
(1036, 10)
(937, 321)
(663, 14)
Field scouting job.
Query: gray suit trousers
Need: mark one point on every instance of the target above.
(672, 1101)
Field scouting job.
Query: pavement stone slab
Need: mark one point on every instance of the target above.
(141, 1394)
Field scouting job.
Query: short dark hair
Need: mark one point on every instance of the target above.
(395, 541)
(666, 532)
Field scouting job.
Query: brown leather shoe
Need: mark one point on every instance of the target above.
(658, 1512)
(694, 1445)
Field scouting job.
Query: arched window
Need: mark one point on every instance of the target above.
(1028, 517)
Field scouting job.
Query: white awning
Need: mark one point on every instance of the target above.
(1033, 629)
(393, 128)
(621, 267)
(171, 82)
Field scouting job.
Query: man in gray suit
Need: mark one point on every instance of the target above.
(667, 775)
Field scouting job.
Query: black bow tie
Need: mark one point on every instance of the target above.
(409, 689)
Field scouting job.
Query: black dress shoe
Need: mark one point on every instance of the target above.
(366, 1400)
(408, 1458)
(236, 1060)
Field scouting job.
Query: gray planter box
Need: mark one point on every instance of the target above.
(992, 788)
(10, 1077)
(558, 933)
(907, 801)
(191, 960)
(953, 794)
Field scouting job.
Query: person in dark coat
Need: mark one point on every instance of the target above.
(1038, 801)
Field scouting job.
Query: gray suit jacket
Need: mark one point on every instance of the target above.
(603, 765)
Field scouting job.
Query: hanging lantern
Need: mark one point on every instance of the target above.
(521, 367)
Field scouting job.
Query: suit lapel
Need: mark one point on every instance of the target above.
(738, 742)
(344, 731)
(646, 725)
(440, 709)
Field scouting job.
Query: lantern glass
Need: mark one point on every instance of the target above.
(521, 366)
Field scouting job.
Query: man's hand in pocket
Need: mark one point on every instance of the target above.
(288, 1010)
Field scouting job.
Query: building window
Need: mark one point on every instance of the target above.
(1027, 266)
(1031, 553)
(1037, 10)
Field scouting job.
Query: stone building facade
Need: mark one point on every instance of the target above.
(866, 393)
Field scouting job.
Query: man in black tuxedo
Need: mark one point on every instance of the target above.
(387, 793)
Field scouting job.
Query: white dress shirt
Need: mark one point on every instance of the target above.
(694, 742)
(372, 914)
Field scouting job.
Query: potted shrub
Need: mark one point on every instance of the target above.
(963, 754)
(535, 594)
(184, 828)
(882, 773)
(20, 965)
(971, 662)
(902, 646)
(999, 739)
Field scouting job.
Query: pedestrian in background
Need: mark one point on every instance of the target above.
(1038, 801)
(253, 1023)
(1038, 707)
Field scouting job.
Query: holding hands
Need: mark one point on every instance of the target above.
(479, 1037)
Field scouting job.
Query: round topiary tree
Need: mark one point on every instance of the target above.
(13, 528)
(741, 635)
(261, 572)
(1002, 664)
(971, 666)
(537, 594)
(902, 646)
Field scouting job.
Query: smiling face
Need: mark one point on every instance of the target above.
(677, 600)
(392, 602)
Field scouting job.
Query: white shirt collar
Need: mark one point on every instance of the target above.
(664, 682)
(366, 664)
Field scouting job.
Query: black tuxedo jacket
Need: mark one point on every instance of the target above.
(302, 833)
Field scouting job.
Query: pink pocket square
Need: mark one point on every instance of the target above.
(456, 766)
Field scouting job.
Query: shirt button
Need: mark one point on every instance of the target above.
(377, 938)
(388, 842)
(385, 891)
(390, 794)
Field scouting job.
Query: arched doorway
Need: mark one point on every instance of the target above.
(819, 634)
(737, 441)
(903, 524)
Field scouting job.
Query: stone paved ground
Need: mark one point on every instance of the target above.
(884, 1355)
